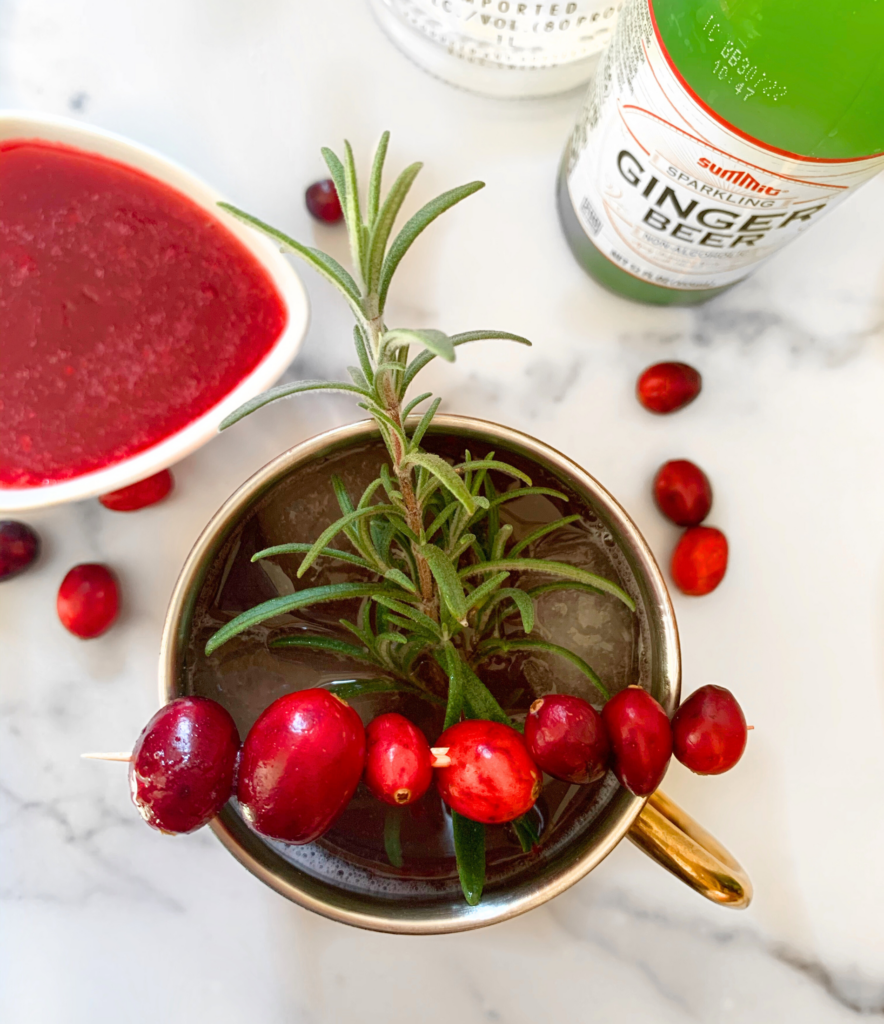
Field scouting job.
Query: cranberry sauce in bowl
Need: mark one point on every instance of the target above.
(133, 319)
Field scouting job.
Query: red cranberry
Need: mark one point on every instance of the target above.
(88, 600)
(566, 738)
(140, 495)
(19, 546)
(641, 739)
(300, 765)
(709, 731)
(322, 201)
(668, 387)
(398, 762)
(489, 775)
(683, 492)
(181, 772)
(699, 561)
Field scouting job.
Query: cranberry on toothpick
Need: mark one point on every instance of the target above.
(668, 387)
(484, 771)
(709, 731)
(641, 739)
(398, 762)
(322, 201)
(566, 737)
(88, 600)
(699, 561)
(300, 765)
(182, 767)
(19, 548)
(139, 495)
(683, 492)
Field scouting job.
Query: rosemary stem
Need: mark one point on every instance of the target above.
(413, 512)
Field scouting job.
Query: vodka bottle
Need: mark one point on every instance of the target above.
(502, 47)
(716, 131)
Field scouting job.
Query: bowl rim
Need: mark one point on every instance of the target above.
(622, 806)
(174, 447)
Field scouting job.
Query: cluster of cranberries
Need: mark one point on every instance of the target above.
(88, 600)
(571, 741)
(305, 755)
(681, 489)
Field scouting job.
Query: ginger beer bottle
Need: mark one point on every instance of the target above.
(714, 132)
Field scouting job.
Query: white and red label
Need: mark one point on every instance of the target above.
(675, 196)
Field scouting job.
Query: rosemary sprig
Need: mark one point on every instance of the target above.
(427, 530)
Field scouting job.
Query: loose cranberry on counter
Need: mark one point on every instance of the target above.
(683, 492)
(641, 739)
(181, 772)
(19, 547)
(487, 774)
(709, 731)
(141, 495)
(566, 737)
(668, 387)
(88, 600)
(322, 201)
(300, 765)
(699, 561)
(398, 762)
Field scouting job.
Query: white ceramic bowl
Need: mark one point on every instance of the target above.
(20, 124)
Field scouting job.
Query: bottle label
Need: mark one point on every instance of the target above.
(670, 193)
(512, 33)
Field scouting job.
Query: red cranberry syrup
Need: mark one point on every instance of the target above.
(126, 312)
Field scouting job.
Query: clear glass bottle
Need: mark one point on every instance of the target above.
(502, 47)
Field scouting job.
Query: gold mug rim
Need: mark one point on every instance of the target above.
(403, 916)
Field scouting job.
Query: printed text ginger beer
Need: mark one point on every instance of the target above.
(714, 132)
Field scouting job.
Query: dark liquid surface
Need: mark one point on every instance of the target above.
(245, 675)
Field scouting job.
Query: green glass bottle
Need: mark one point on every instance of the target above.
(714, 132)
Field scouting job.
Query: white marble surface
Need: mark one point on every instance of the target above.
(103, 920)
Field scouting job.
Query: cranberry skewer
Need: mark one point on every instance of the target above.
(182, 766)
(709, 731)
(484, 771)
(566, 738)
(398, 762)
(641, 739)
(300, 765)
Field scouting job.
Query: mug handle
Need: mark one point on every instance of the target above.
(676, 842)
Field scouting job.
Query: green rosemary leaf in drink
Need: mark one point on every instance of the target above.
(469, 848)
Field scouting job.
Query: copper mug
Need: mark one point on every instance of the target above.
(655, 824)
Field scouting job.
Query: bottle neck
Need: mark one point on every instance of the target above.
(808, 85)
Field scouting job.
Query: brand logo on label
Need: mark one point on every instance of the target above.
(742, 179)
